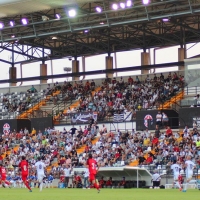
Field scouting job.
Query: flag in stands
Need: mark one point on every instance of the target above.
(118, 117)
(126, 116)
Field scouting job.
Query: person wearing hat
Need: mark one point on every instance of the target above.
(156, 178)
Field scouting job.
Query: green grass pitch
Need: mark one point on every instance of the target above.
(105, 194)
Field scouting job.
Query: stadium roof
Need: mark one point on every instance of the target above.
(158, 24)
(19, 7)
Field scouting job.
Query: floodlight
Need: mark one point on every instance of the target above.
(72, 13)
(12, 23)
(145, 2)
(58, 16)
(45, 18)
(129, 3)
(165, 19)
(1, 25)
(98, 9)
(114, 6)
(24, 21)
(122, 5)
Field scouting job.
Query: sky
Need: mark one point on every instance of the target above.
(123, 59)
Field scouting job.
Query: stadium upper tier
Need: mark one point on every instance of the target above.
(139, 89)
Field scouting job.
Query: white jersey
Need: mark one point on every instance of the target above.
(176, 168)
(40, 166)
(189, 166)
(189, 169)
(156, 177)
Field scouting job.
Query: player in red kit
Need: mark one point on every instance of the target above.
(3, 176)
(23, 165)
(93, 169)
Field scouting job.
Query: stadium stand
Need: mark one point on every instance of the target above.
(147, 92)
(111, 148)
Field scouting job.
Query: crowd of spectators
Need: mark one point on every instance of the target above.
(146, 148)
(117, 96)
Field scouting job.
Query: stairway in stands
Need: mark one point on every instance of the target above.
(73, 105)
(135, 163)
(168, 104)
(37, 106)
(82, 148)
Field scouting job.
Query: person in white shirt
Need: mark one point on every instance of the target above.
(156, 178)
(40, 168)
(159, 119)
(189, 167)
(176, 171)
(86, 179)
(67, 171)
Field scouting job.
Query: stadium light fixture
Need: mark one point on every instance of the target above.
(12, 23)
(58, 16)
(129, 3)
(165, 19)
(1, 25)
(72, 13)
(122, 5)
(145, 2)
(45, 18)
(114, 6)
(24, 21)
(98, 9)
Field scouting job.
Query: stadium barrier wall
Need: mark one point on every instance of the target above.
(8, 125)
(110, 126)
(188, 116)
(147, 119)
(41, 123)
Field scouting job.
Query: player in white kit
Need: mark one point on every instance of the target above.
(176, 171)
(40, 168)
(189, 167)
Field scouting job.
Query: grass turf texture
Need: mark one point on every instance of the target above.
(105, 194)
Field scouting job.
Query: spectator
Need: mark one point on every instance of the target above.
(77, 182)
(67, 171)
(86, 178)
(32, 90)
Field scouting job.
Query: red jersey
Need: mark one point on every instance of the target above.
(92, 164)
(77, 178)
(2, 171)
(24, 167)
(62, 178)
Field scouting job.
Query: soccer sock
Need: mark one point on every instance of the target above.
(96, 186)
(41, 186)
(8, 183)
(185, 187)
(178, 184)
(26, 183)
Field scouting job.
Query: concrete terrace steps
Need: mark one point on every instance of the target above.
(135, 163)
(173, 100)
(8, 152)
(37, 106)
(73, 105)
(82, 148)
